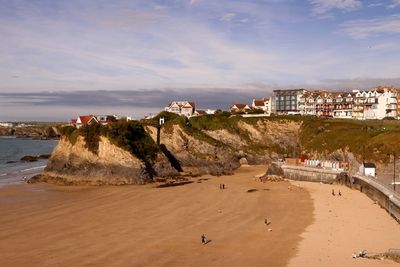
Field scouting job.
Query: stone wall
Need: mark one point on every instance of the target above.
(301, 173)
(376, 191)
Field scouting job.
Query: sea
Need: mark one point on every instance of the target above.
(12, 169)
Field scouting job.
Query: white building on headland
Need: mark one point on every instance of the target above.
(262, 104)
(6, 124)
(377, 103)
(185, 108)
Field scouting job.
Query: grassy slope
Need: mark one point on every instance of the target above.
(372, 139)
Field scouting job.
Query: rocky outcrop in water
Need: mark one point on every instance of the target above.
(34, 132)
(74, 164)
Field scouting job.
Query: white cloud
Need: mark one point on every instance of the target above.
(361, 29)
(193, 2)
(321, 7)
(227, 17)
(394, 4)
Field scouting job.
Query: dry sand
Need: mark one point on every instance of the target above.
(45, 225)
(344, 225)
(42, 225)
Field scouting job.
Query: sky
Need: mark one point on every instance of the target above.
(62, 58)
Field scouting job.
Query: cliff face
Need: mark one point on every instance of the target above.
(263, 141)
(194, 155)
(183, 151)
(75, 164)
(213, 145)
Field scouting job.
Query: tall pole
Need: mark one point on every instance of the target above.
(394, 172)
(158, 134)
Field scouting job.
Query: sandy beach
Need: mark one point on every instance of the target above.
(43, 225)
(343, 225)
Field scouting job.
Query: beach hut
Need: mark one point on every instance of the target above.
(368, 169)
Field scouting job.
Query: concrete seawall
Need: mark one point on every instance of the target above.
(374, 189)
(383, 195)
(300, 173)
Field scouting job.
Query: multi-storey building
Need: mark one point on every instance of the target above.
(377, 103)
(398, 103)
(343, 105)
(388, 98)
(309, 103)
(324, 104)
(288, 101)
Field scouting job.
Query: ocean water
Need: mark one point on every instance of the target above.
(12, 169)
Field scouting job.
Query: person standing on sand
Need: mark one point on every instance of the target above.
(340, 193)
(223, 186)
(333, 192)
(203, 239)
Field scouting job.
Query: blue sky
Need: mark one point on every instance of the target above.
(52, 51)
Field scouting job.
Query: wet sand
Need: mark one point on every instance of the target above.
(344, 225)
(43, 225)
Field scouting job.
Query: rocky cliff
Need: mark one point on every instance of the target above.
(73, 164)
(126, 153)
(197, 155)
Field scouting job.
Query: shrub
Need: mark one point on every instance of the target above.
(132, 137)
(91, 133)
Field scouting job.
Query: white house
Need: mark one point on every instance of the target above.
(375, 104)
(6, 124)
(262, 104)
(368, 169)
(239, 108)
(186, 108)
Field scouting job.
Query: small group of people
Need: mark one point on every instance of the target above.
(361, 254)
(339, 193)
(221, 186)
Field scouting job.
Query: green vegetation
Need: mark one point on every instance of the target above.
(371, 140)
(130, 136)
(70, 132)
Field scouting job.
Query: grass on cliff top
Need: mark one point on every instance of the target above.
(129, 136)
(371, 140)
(186, 124)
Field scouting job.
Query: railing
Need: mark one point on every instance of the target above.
(381, 186)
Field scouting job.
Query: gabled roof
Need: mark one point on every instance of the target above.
(259, 103)
(73, 121)
(201, 112)
(87, 118)
(188, 105)
(239, 106)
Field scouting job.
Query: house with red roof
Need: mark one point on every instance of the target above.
(89, 119)
(239, 108)
(262, 104)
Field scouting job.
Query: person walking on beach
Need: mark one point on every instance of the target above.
(340, 193)
(223, 186)
(333, 192)
(203, 239)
